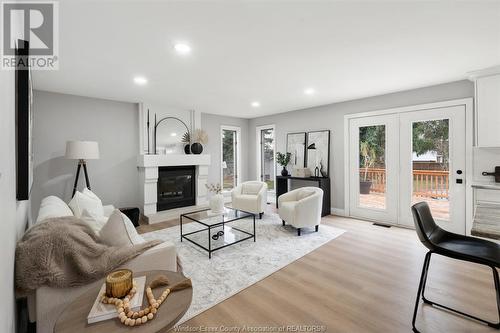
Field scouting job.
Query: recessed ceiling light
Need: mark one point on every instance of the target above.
(182, 48)
(140, 80)
(255, 104)
(309, 91)
(173, 134)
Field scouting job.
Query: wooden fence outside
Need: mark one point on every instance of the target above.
(426, 183)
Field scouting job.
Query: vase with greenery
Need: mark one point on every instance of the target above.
(200, 138)
(216, 202)
(368, 158)
(283, 159)
(186, 140)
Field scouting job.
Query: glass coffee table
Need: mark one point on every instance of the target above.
(213, 232)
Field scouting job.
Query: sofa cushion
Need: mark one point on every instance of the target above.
(94, 221)
(119, 231)
(302, 194)
(251, 188)
(53, 206)
(86, 200)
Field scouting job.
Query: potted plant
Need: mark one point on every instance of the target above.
(216, 202)
(186, 139)
(283, 159)
(368, 156)
(200, 138)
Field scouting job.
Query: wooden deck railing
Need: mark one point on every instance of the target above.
(426, 183)
(377, 176)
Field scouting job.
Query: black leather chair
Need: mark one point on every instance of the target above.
(454, 246)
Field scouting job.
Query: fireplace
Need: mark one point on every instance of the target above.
(176, 187)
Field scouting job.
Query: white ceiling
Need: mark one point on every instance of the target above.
(267, 51)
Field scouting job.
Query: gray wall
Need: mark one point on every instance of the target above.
(212, 124)
(59, 118)
(14, 213)
(332, 117)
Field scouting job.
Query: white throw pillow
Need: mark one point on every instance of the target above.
(252, 188)
(53, 206)
(95, 222)
(91, 194)
(119, 231)
(304, 194)
(87, 200)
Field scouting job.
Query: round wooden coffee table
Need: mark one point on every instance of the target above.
(74, 318)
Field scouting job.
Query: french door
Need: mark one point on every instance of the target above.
(435, 175)
(399, 159)
(374, 168)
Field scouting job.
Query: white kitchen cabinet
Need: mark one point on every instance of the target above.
(487, 111)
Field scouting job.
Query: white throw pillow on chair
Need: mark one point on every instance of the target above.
(119, 231)
(86, 200)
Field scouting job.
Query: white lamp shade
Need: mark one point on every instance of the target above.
(82, 150)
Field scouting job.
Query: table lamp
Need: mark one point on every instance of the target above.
(82, 151)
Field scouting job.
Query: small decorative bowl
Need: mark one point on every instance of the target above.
(119, 283)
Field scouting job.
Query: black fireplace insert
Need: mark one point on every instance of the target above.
(176, 187)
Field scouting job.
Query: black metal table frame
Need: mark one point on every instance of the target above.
(213, 226)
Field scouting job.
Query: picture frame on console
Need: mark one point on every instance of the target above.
(318, 153)
(296, 146)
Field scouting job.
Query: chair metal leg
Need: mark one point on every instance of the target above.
(423, 276)
(421, 291)
(497, 291)
(424, 283)
(283, 222)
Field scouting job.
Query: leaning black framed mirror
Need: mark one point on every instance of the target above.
(168, 133)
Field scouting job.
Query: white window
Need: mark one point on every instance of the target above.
(266, 166)
(230, 157)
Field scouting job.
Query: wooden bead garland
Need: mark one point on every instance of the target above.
(136, 318)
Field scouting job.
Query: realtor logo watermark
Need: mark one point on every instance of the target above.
(35, 22)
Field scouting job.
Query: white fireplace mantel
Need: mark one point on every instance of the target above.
(148, 173)
(146, 161)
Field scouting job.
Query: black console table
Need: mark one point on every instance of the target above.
(321, 182)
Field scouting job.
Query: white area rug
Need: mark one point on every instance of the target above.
(238, 266)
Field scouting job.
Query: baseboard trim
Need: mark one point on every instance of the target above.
(337, 211)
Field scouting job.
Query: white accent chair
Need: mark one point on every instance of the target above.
(301, 207)
(250, 197)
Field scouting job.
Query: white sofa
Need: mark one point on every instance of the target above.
(250, 197)
(48, 303)
(301, 207)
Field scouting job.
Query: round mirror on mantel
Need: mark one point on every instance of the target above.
(168, 137)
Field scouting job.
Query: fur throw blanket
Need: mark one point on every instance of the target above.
(65, 252)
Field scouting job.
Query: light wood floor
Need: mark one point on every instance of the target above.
(363, 281)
